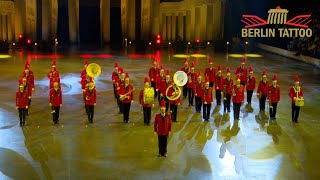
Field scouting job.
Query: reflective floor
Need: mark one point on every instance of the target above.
(251, 148)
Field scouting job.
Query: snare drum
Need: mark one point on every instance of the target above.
(148, 96)
(299, 102)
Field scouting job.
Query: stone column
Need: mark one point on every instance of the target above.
(155, 11)
(174, 26)
(146, 19)
(169, 26)
(180, 25)
(203, 23)
(73, 12)
(4, 27)
(124, 18)
(54, 18)
(197, 23)
(164, 27)
(188, 25)
(46, 19)
(1, 37)
(131, 20)
(209, 22)
(105, 20)
(192, 24)
(9, 25)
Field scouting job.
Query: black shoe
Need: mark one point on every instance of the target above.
(20, 124)
(165, 155)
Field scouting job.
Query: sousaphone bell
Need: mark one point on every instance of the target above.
(93, 70)
(180, 78)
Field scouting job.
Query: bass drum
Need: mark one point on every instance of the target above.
(148, 96)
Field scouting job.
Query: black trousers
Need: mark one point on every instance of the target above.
(90, 112)
(262, 102)
(218, 96)
(29, 103)
(167, 102)
(174, 109)
(114, 91)
(153, 84)
(190, 96)
(226, 102)
(243, 84)
(159, 98)
(126, 111)
(249, 96)
(120, 104)
(22, 115)
(295, 112)
(206, 111)
(236, 111)
(55, 115)
(211, 84)
(198, 104)
(146, 115)
(185, 91)
(273, 110)
(162, 144)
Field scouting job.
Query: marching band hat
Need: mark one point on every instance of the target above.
(297, 78)
(85, 62)
(146, 80)
(228, 70)
(54, 63)
(250, 69)
(243, 60)
(116, 65)
(264, 73)
(199, 73)
(127, 75)
(163, 103)
(219, 68)
(168, 73)
(238, 76)
(185, 60)
(274, 77)
(210, 60)
(192, 65)
(207, 79)
(161, 67)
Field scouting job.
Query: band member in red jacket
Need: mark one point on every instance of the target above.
(227, 90)
(172, 92)
(55, 102)
(22, 104)
(192, 77)
(198, 92)
(219, 85)
(30, 85)
(153, 72)
(273, 97)
(119, 83)
(162, 127)
(159, 81)
(263, 90)
(295, 93)
(91, 100)
(114, 77)
(251, 85)
(237, 97)
(146, 107)
(242, 70)
(29, 75)
(53, 72)
(210, 72)
(84, 71)
(207, 100)
(55, 79)
(164, 88)
(186, 69)
(126, 96)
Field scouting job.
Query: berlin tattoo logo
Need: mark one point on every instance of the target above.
(276, 16)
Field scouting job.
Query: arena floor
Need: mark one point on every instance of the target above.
(251, 148)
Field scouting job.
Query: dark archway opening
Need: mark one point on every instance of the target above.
(63, 22)
(89, 23)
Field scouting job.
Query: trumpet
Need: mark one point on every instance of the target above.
(125, 96)
(233, 92)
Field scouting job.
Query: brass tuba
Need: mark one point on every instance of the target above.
(93, 70)
(180, 78)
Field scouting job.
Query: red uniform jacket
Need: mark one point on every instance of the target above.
(162, 125)
(22, 99)
(159, 81)
(56, 97)
(211, 74)
(227, 86)
(274, 94)
(190, 84)
(218, 85)
(52, 73)
(243, 74)
(164, 87)
(141, 95)
(239, 98)
(28, 89)
(177, 101)
(198, 89)
(153, 72)
(186, 70)
(91, 96)
(114, 77)
(263, 88)
(118, 85)
(125, 90)
(56, 79)
(207, 96)
(293, 93)
(83, 73)
(30, 78)
(251, 84)
(193, 76)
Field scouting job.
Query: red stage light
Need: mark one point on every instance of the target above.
(54, 56)
(198, 40)
(86, 56)
(20, 36)
(158, 36)
(158, 41)
(105, 56)
(28, 41)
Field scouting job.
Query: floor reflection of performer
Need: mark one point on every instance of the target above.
(146, 107)
(22, 104)
(162, 127)
(274, 130)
